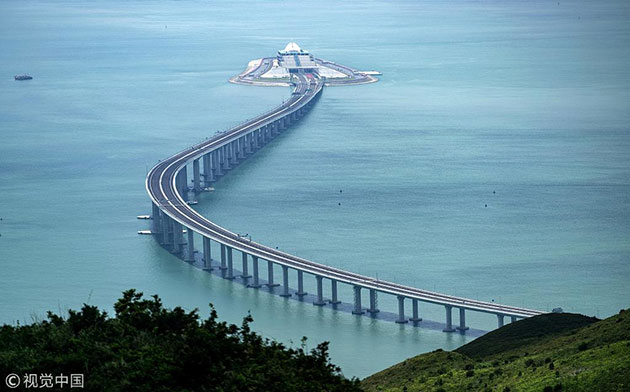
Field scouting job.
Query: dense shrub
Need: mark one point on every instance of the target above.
(146, 347)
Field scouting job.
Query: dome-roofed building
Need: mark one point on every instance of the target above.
(294, 58)
(291, 49)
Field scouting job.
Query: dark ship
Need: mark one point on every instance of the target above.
(23, 77)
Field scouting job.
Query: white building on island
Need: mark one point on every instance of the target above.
(294, 58)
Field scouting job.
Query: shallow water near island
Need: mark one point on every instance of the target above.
(490, 161)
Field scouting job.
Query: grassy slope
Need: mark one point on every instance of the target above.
(564, 351)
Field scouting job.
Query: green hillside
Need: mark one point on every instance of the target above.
(551, 352)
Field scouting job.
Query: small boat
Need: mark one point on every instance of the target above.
(23, 77)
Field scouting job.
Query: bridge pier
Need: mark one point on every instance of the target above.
(449, 319)
(357, 301)
(462, 320)
(241, 147)
(300, 278)
(255, 136)
(216, 162)
(166, 240)
(414, 309)
(208, 177)
(333, 292)
(248, 143)
(196, 176)
(155, 215)
(178, 237)
(223, 261)
(256, 283)
(373, 302)
(320, 291)
(207, 257)
(245, 274)
(499, 320)
(230, 264)
(270, 283)
(182, 183)
(285, 281)
(401, 310)
(225, 157)
(190, 255)
(234, 152)
(513, 319)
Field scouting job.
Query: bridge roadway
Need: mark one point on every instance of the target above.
(168, 192)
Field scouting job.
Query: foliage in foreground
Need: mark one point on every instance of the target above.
(546, 353)
(146, 347)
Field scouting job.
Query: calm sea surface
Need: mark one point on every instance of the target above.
(491, 161)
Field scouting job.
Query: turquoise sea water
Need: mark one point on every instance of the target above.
(523, 107)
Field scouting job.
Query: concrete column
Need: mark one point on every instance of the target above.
(449, 319)
(216, 162)
(241, 147)
(357, 301)
(255, 135)
(287, 121)
(223, 261)
(205, 165)
(500, 320)
(285, 282)
(320, 291)
(462, 320)
(190, 255)
(225, 152)
(155, 215)
(256, 283)
(196, 176)
(182, 183)
(166, 239)
(333, 293)
(178, 237)
(230, 265)
(208, 176)
(207, 256)
(270, 275)
(234, 151)
(263, 133)
(512, 319)
(401, 310)
(248, 143)
(414, 308)
(245, 274)
(300, 278)
(373, 302)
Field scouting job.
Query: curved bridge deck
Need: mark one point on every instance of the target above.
(168, 187)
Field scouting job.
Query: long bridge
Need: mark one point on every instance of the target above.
(168, 186)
